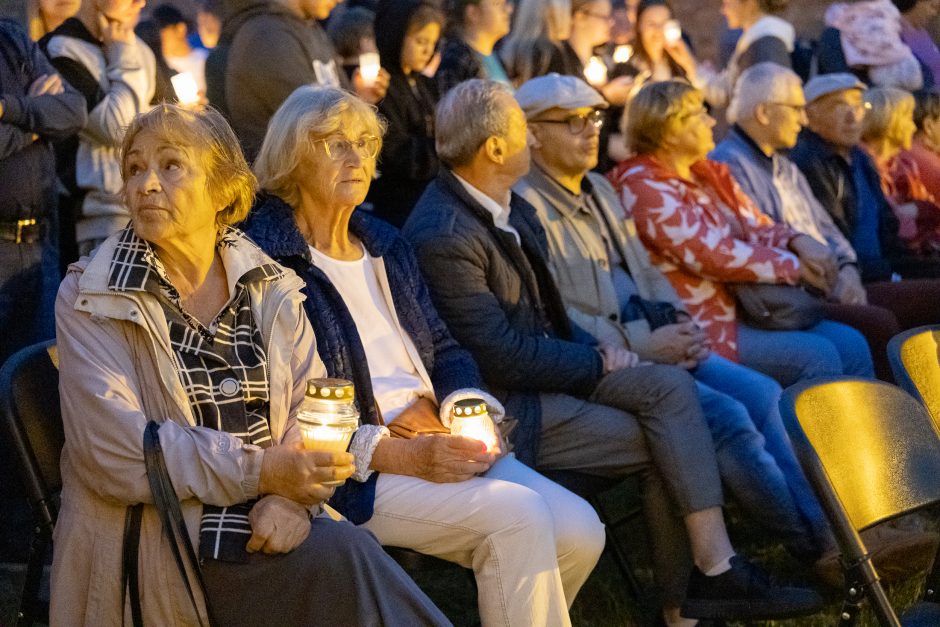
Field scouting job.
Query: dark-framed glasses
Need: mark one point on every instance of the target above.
(340, 148)
(577, 123)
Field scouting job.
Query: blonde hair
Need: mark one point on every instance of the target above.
(228, 177)
(654, 111)
(885, 109)
(311, 112)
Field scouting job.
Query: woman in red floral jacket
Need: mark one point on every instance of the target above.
(703, 232)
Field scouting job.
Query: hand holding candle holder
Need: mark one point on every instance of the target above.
(328, 416)
(470, 419)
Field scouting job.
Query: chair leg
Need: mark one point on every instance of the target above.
(620, 555)
(861, 582)
(31, 608)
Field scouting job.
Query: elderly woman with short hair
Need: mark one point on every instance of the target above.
(887, 130)
(704, 233)
(530, 542)
(181, 320)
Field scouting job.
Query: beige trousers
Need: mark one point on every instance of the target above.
(530, 542)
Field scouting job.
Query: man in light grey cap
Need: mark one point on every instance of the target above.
(847, 184)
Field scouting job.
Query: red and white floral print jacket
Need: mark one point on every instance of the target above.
(704, 234)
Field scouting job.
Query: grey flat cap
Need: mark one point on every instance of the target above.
(553, 91)
(826, 84)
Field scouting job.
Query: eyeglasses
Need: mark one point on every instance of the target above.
(605, 17)
(698, 113)
(340, 149)
(577, 123)
(796, 108)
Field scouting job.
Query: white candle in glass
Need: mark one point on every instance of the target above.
(187, 92)
(596, 71)
(672, 31)
(369, 65)
(622, 53)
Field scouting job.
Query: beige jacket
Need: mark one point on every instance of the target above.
(580, 264)
(108, 343)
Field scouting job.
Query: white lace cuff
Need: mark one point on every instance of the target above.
(495, 408)
(363, 446)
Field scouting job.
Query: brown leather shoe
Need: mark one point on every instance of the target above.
(896, 554)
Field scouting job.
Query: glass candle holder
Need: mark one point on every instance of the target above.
(672, 31)
(328, 416)
(470, 419)
(369, 65)
(623, 53)
(595, 71)
(187, 92)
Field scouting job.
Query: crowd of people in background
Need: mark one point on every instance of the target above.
(553, 206)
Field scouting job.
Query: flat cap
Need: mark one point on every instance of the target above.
(552, 91)
(826, 84)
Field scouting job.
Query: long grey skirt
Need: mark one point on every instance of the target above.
(339, 576)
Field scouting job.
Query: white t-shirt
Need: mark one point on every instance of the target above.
(194, 63)
(395, 380)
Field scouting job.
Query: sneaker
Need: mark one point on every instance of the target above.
(896, 554)
(745, 592)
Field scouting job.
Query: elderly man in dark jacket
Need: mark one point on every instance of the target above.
(580, 406)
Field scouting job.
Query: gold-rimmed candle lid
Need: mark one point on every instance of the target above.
(330, 389)
(469, 407)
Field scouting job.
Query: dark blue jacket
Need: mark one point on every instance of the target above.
(500, 302)
(272, 226)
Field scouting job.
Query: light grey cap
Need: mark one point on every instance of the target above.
(826, 84)
(552, 91)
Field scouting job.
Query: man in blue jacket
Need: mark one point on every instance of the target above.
(580, 405)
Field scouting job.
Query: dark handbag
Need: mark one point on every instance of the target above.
(777, 307)
(174, 528)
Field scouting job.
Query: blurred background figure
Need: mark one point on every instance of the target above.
(36, 106)
(536, 45)
(474, 28)
(208, 25)
(98, 53)
(44, 16)
(408, 161)
(351, 31)
(925, 149)
(179, 54)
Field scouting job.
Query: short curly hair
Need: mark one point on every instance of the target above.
(228, 176)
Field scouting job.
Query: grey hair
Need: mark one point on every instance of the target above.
(466, 116)
(759, 84)
(311, 112)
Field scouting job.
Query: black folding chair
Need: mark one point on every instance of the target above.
(32, 425)
(872, 453)
(592, 488)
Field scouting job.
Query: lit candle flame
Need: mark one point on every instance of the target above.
(369, 65)
(672, 31)
(184, 84)
(622, 53)
(476, 428)
(596, 71)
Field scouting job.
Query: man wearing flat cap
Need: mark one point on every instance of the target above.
(581, 403)
(611, 289)
(847, 184)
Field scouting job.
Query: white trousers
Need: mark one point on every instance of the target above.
(502, 525)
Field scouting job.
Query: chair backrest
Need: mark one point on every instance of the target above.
(866, 444)
(32, 421)
(915, 363)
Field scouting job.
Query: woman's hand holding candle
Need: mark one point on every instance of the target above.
(293, 472)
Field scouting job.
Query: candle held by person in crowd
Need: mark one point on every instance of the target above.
(672, 31)
(369, 65)
(595, 71)
(328, 416)
(623, 53)
(187, 92)
(471, 419)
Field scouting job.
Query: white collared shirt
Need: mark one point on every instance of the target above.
(500, 211)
